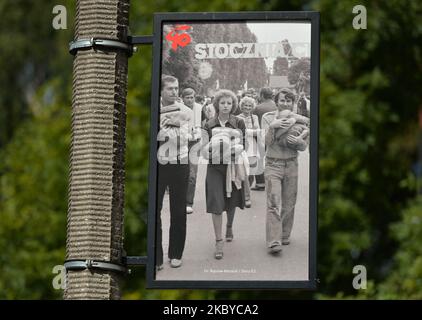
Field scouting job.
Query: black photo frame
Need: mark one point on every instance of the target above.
(159, 20)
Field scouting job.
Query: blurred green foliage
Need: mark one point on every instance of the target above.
(369, 212)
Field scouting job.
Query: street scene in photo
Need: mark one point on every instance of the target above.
(245, 257)
(233, 152)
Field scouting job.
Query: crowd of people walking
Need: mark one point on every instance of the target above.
(250, 141)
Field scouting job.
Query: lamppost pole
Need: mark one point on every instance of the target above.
(96, 187)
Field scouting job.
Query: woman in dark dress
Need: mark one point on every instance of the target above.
(218, 197)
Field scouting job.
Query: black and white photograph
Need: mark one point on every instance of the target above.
(233, 157)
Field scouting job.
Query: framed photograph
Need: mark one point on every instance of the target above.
(233, 184)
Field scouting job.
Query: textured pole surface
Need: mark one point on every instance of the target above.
(96, 192)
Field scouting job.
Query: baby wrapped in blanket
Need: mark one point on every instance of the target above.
(175, 130)
(298, 128)
(226, 147)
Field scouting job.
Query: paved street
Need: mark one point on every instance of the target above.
(245, 258)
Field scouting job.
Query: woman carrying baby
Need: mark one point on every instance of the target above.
(226, 170)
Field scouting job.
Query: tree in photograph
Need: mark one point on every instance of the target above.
(280, 66)
(298, 75)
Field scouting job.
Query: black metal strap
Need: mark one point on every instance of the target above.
(76, 45)
(134, 261)
(79, 265)
(141, 39)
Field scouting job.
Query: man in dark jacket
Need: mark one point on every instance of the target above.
(267, 105)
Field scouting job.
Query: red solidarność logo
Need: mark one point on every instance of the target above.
(179, 39)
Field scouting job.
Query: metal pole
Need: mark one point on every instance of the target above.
(96, 192)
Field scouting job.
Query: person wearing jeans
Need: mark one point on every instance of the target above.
(281, 176)
(281, 168)
(188, 96)
(193, 171)
(267, 105)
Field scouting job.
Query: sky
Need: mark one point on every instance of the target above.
(295, 33)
